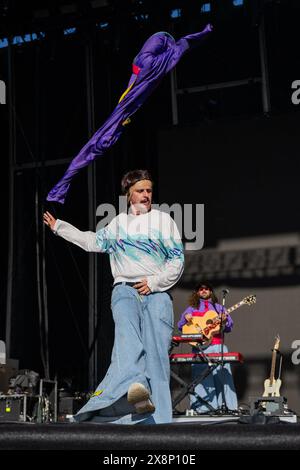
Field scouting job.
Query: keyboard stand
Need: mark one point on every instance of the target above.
(189, 388)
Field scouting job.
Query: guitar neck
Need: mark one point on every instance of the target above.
(272, 374)
(235, 306)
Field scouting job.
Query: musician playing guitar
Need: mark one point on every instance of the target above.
(202, 300)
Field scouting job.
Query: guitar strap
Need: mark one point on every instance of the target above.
(215, 308)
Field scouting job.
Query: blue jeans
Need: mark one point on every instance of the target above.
(210, 389)
(143, 332)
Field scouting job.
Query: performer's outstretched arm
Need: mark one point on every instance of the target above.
(85, 240)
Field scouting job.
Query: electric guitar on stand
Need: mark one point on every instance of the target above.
(209, 324)
(272, 385)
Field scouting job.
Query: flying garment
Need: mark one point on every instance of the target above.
(158, 56)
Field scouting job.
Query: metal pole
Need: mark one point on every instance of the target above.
(174, 98)
(42, 300)
(12, 161)
(44, 163)
(218, 86)
(92, 218)
(266, 102)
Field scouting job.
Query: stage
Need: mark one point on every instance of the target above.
(217, 434)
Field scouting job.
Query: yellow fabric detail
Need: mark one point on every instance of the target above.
(96, 394)
(127, 121)
(128, 90)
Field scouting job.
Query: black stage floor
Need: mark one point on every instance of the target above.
(194, 436)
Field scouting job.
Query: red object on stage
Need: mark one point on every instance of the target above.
(188, 338)
(193, 358)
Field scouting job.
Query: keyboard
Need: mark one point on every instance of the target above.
(187, 338)
(194, 358)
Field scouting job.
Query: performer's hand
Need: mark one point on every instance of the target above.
(188, 317)
(142, 287)
(49, 219)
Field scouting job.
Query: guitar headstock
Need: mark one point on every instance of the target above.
(277, 342)
(249, 300)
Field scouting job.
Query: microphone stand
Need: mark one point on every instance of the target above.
(224, 409)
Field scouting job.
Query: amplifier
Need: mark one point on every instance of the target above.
(17, 407)
(69, 405)
(13, 407)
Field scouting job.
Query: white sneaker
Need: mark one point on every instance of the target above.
(139, 396)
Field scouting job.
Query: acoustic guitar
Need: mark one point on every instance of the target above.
(272, 385)
(210, 323)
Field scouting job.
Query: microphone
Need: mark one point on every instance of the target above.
(225, 291)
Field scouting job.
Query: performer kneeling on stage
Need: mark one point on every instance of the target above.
(219, 381)
(146, 257)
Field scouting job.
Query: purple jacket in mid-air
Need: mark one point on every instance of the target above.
(158, 56)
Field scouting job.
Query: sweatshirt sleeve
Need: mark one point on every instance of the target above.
(88, 241)
(167, 278)
(172, 269)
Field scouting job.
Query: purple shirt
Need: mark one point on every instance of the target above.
(211, 306)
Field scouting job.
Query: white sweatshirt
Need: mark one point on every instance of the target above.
(142, 246)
